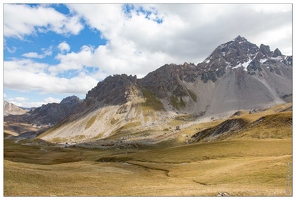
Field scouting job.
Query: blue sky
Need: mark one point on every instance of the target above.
(52, 51)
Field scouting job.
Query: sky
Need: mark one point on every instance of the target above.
(51, 51)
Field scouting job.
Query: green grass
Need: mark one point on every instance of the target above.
(132, 124)
(176, 103)
(58, 140)
(151, 101)
(90, 122)
(192, 95)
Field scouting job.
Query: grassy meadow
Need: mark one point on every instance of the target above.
(256, 161)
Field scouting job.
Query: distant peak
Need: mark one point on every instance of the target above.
(240, 39)
(277, 53)
(71, 99)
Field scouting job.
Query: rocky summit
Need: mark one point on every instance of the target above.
(237, 75)
(11, 109)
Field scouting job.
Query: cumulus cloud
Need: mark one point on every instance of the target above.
(64, 47)
(17, 99)
(21, 20)
(52, 100)
(26, 65)
(27, 103)
(46, 52)
(149, 36)
(25, 75)
(33, 55)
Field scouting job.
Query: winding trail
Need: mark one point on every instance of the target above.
(166, 172)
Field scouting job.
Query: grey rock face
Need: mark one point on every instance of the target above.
(113, 90)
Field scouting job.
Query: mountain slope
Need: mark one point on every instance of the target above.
(11, 109)
(238, 75)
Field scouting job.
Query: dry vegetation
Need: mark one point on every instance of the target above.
(256, 161)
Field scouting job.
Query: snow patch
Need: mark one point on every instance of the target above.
(279, 58)
(262, 60)
(228, 65)
(222, 46)
(244, 65)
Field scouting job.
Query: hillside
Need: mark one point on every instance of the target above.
(253, 160)
(11, 109)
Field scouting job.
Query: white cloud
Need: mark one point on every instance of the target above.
(137, 44)
(25, 75)
(51, 100)
(46, 52)
(21, 20)
(32, 55)
(25, 65)
(26, 103)
(11, 50)
(64, 47)
(73, 61)
(19, 101)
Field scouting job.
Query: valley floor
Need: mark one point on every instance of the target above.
(240, 167)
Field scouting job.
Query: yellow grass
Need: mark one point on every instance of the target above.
(243, 165)
(90, 122)
(240, 168)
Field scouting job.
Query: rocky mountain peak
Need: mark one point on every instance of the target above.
(113, 90)
(277, 53)
(71, 100)
(241, 53)
(233, 53)
(240, 39)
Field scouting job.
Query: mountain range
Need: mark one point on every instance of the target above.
(43, 116)
(238, 75)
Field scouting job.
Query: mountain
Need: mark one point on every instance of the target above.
(52, 113)
(238, 75)
(11, 109)
(48, 114)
